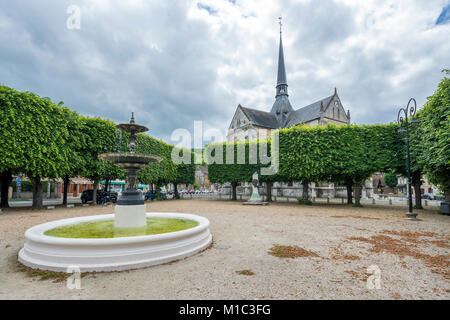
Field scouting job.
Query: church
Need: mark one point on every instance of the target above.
(251, 124)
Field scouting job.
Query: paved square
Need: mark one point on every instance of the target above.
(345, 246)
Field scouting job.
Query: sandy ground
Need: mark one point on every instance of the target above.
(412, 256)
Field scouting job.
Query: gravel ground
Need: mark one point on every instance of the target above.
(341, 242)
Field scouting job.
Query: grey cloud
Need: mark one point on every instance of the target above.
(158, 62)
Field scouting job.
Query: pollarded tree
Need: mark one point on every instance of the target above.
(433, 133)
(185, 170)
(99, 137)
(36, 138)
(306, 154)
(236, 162)
(156, 173)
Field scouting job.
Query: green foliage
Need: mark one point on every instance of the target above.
(157, 173)
(433, 136)
(98, 136)
(304, 202)
(34, 135)
(334, 153)
(390, 180)
(240, 170)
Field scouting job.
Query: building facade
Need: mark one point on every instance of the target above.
(251, 124)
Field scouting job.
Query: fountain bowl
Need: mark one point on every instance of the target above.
(129, 160)
(112, 254)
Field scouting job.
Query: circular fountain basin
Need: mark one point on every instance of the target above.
(112, 254)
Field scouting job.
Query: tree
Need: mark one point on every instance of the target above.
(390, 180)
(238, 167)
(33, 137)
(156, 173)
(185, 173)
(433, 133)
(99, 137)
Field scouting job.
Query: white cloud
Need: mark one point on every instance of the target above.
(175, 62)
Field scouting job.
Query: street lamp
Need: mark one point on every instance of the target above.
(402, 119)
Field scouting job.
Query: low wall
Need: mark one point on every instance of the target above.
(29, 195)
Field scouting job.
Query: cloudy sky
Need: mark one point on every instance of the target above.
(173, 62)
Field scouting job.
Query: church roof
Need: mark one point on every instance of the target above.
(281, 76)
(308, 113)
(261, 118)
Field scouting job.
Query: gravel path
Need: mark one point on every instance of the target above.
(341, 242)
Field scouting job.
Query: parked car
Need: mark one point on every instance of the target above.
(150, 195)
(428, 196)
(191, 191)
(102, 196)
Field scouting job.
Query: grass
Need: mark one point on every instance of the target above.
(46, 275)
(245, 272)
(290, 252)
(105, 228)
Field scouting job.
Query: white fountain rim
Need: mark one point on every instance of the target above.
(36, 233)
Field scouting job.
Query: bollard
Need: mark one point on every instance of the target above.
(426, 203)
(373, 200)
(314, 199)
(342, 200)
(328, 200)
(85, 204)
(390, 201)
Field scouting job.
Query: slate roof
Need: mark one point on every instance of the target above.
(261, 118)
(308, 113)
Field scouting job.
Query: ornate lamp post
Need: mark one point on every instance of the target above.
(402, 119)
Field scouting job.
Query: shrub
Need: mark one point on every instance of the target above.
(304, 202)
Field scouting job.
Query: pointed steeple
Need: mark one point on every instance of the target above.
(281, 107)
(281, 78)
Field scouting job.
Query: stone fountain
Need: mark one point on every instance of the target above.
(130, 210)
(121, 251)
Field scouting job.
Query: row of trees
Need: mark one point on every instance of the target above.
(351, 154)
(45, 140)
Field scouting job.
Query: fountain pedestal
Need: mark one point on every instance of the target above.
(130, 216)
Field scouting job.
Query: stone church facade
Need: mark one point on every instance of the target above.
(251, 124)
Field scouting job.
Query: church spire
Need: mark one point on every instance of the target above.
(281, 107)
(281, 78)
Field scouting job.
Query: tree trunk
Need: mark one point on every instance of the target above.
(66, 182)
(357, 194)
(269, 191)
(107, 181)
(447, 196)
(349, 185)
(5, 180)
(175, 189)
(37, 193)
(94, 193)
(417, 182)
(305, 184)
(233, 191)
